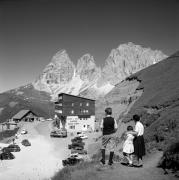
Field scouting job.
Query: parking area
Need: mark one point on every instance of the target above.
(43, 158)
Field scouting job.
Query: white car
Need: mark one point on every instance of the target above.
(24, 131)
(17, 135)
(75, 155)
(82, 136)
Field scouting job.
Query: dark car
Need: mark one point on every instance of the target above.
(59, 133)
(77, 139)
(26, 142)
(76, 145)
(74, 159)
(6, 156)
(11, 148)
(79, 151)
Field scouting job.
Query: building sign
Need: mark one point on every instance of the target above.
(58, 111)
(72, 118)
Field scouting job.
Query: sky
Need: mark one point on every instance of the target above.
(32, 31)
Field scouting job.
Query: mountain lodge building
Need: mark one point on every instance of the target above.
(76, 113)
(25, 115)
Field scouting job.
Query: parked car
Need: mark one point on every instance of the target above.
(6, 156)
(26, 142)
(58, 133)
(82, 135)
(17, 135)
(76, 145)
(72, 160)
(76, 139)
(11, 148)
(79, 151)
(24, 131)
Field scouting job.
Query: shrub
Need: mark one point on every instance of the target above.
(8, 133)
(170, 159)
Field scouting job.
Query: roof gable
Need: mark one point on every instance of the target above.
(21, 114)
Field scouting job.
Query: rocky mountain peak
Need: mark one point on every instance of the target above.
(59, 71)
(86, 68)
(60, 57)
(61, 75)
(128, 59)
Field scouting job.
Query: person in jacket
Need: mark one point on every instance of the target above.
(108, 127)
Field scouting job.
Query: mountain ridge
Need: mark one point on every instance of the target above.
(84, 79)
(61, 75)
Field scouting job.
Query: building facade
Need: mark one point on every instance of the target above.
(76, 113)
(25, 115)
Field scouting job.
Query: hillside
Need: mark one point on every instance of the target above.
(25, 97)
(153, 93)
(159, 104)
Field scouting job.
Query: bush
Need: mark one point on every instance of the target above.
(8, 133)
(170, 159)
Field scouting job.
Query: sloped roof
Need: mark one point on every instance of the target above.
(20, 114)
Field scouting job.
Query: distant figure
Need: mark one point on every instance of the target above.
(139, 145)
(128, 146)
(13, 141)
(108, 127)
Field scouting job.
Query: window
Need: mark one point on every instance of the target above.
(80, 104)
(72, 104)
(87, 104)
(87, 111)
(72, 127)
(72, 111)
(84, 126)
(59, 104)
(60, 97)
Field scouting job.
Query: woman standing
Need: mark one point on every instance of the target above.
(139, 145)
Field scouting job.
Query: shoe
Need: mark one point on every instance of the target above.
(130, 165)
(102, 162)
(138, 166)
(110, 163)
(125, 163)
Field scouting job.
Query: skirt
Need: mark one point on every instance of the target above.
(139, 146)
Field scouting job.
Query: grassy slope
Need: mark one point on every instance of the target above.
(159, 103)
(160, 82)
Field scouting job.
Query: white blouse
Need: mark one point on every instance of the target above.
(139, 128)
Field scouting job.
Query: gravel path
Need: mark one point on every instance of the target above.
(148, 172)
